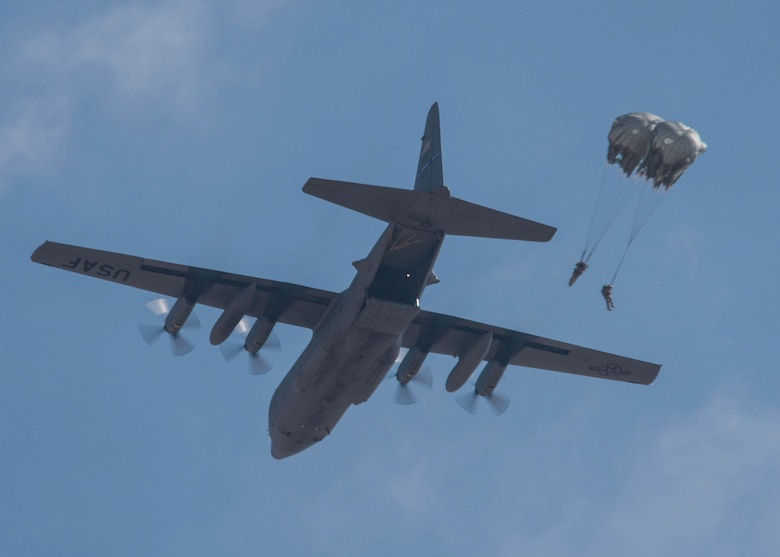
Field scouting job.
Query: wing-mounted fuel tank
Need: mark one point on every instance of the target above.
(233, 313)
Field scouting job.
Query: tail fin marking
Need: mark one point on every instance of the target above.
(429, 169)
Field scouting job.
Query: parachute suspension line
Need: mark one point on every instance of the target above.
(589, 237)
(647, 203)
(620, 264)
(610, 198)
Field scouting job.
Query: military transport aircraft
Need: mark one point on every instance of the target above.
(357, 334)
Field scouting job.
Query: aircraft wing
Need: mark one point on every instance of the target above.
(286, 303)
(445, 334)
(301, 306)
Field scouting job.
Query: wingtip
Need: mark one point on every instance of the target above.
(650, 377)
(35, 257)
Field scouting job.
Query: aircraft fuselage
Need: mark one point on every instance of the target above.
(356, 342)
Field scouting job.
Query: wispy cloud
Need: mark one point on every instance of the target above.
(135, 54)
(703, 483)
(131, 58)
(32, 140)
(709, 483)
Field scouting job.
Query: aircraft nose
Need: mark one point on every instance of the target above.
(279, 452)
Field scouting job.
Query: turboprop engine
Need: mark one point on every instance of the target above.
(252, 339)
(179, 313)
(259, 334)
(489, 378)
(485, 387)
(468, 361)
(174, 319)
(411, 367)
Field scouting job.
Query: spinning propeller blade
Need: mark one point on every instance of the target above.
(404, 392)
(236, 343)
(151, 332)
(497, 402)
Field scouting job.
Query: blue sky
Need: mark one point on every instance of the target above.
(184, 131)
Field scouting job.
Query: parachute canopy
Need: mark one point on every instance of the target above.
(675, 148)
(657, 149)
(630, 138)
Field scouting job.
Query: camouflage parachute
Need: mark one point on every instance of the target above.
(674, 148)
(630, 139)
(658, 151)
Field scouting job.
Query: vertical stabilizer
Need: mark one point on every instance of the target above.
(419, 209)
(429, 170)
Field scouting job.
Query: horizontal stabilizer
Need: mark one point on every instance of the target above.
(387, 204)
(434, 209)
(469, 219)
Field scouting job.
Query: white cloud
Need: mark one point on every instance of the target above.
(31, 141)
(134, 58)
(154, 54)
(707, 484)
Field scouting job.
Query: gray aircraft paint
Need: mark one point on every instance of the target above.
(358, 333)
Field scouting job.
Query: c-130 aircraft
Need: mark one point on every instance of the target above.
(357, 334)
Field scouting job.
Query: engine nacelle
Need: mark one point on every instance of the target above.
(410, 365)
(179, 313)
(468, 361)
(233, 313)
(259, 334)
(489, 378)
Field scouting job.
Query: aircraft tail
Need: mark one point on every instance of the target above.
(429, 169)
(429, 204)
(423, 209)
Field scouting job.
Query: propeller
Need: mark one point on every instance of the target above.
(404, 392)
(236, 343)
(151, 332)
(497, 402)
